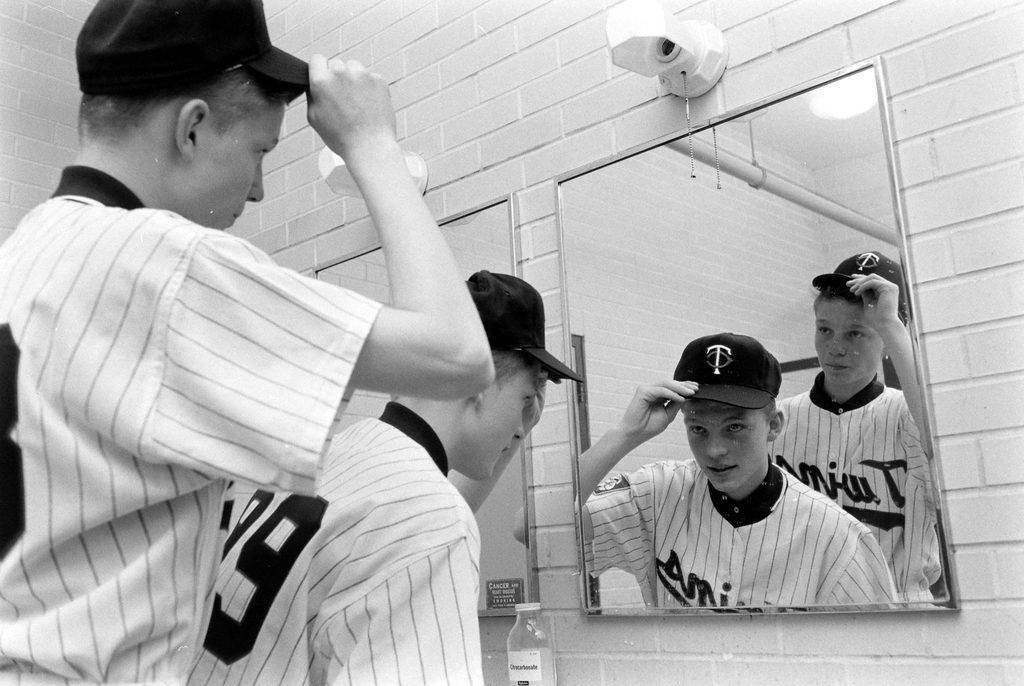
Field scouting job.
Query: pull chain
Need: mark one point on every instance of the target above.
(718, 169)
(689, 133)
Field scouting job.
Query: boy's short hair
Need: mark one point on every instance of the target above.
(233, 95)
(508, 363)
(769, 410)
(831, 292)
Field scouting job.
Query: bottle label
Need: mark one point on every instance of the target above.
(524, 667)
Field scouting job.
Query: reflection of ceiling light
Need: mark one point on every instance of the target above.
(846, 97)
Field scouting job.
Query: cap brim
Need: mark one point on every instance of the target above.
(556, 370)
(282, 66)
(740, 396)
(833, 280)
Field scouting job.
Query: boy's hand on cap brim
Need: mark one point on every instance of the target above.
(653, 407)
(880, 297)
(348, 105)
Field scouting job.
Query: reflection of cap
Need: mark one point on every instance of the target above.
(865, 263)
(861, 263)
(731, 369)
(512, 313)
(132, 46)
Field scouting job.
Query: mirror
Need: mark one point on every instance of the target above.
(480, 238)
(654, 259)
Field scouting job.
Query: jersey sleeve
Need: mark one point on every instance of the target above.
(621, 510)
(909, 434)
(917, 562)
(419, 626)
(257, 361)
(860, 575)
(918, 464)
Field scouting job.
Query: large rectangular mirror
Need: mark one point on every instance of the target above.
(480, 238)
(723, 231)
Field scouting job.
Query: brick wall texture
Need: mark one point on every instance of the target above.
(502, 96)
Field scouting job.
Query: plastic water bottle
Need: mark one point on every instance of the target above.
(531, 655)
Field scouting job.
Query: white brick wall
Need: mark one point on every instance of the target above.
(957, 78)
(39, 103)
(660, 247)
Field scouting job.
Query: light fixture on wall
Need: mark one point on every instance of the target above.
(688, 56)
(334, 171)
(845, 98)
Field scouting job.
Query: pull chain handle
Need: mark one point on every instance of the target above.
(689, 133)
(718, 169)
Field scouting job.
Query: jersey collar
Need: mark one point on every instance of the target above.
(416, 428)
(859, 399)
(756, 506)
(95, 185)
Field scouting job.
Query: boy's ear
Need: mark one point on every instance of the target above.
(475, 402)
(775, 423)
(191, 115)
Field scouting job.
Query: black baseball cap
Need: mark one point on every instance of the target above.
(732, 369)
(512, 313)
(872, 262)
(134, 46)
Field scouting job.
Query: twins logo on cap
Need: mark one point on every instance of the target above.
(730, 368)
(867, 260)
(718, 357)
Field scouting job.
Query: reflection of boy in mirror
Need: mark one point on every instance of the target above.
(727, 528)
(852, 438)
(476, 490)
(375, 579)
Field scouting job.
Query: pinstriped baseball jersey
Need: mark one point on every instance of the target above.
(156, 358)
(382, 587)
(867, 456)
(660, 524)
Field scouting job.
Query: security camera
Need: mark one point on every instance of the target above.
(645, 38)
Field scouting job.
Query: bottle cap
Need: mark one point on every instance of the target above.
(524, 607)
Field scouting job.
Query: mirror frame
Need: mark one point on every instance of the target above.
(531, 591)
(952, 602)
(373, 242)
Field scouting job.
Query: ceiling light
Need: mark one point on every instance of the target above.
(846, 97)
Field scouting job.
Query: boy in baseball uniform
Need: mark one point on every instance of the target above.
(726, 528)
(856, 440)
(148, 357)
(375, 579)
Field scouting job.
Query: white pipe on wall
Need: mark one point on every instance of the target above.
(759, 177)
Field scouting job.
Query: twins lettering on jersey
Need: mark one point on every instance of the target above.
(689, 589)
(693, 591)
(855, 488)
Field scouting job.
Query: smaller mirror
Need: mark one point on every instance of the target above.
(480, 238)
